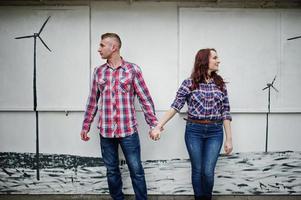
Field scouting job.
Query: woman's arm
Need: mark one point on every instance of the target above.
(155, 133)
(228, 142)
(176, 106)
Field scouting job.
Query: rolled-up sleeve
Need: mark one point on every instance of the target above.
(226, 115)
(181, 96)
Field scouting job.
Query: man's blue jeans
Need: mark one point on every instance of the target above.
(203, 142)
(130, 146)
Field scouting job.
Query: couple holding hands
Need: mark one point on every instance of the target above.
(114, 87)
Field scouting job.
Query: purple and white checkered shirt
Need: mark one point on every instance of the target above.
(112, 94)
(208, 102)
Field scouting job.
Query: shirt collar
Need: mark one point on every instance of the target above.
(211, 80)
(123, 65)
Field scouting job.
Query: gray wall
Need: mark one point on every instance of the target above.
(162, 38)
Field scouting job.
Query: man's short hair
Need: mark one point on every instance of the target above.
(112, 35)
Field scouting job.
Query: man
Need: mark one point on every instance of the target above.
(114, 87)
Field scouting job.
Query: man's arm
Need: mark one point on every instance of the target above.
(144, 98)
(91, 108)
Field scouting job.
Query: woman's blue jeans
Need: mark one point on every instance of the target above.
(203, 142)
(130, 146)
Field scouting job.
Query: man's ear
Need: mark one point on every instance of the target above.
(114, 47)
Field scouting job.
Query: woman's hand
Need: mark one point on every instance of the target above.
(228, 146)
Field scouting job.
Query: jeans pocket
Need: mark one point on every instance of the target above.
(216, 129)
(190, 126)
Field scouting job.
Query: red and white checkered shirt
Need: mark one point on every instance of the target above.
(112, 93)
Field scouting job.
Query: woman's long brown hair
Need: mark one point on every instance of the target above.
(200, 70)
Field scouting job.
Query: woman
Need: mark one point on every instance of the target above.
(208, 111)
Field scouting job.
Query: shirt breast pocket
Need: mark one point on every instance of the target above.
(197, 103)
(125, 85)
(101, 85)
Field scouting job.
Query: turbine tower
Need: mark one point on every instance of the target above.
(269, 86)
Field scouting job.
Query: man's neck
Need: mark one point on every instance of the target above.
(115, 61)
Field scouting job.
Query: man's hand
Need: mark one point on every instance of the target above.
(84, 136)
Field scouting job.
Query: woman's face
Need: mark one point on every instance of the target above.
(213, 62)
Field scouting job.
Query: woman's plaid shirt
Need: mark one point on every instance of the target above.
(208, 102)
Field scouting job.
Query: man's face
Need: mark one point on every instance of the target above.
(106, 48)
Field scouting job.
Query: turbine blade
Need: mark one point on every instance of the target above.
(265, 88)
(293, 38)
(43, 25)
(273, 80)
(275, 89)
(44, 43)
(27, 36)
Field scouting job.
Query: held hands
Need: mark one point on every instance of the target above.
(155, 133)
(84, 136)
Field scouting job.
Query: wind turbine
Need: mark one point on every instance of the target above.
(269, 86)
(35, 36)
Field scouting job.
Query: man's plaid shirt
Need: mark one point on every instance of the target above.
(113, 93)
